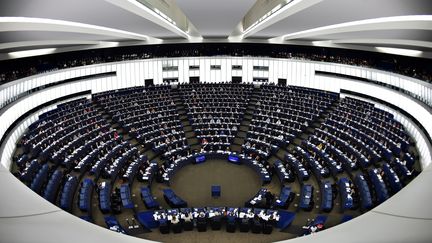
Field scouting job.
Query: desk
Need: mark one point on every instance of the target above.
(257, 200)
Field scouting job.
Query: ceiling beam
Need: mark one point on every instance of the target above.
(52, 25)
(242, 30)
(413, 22)
(23, 45)
(184, 28)
(382, 42)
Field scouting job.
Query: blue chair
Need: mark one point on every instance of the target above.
(306, 197)
(364, 191)
(113, 224)
(148, 199)
(215, 191)
(286, 196)
(173, 200)
(345, 194)
(326, 196)
(53, 186)
(40, 179)
(68, 192)
(379, 186)
(126, 196)
(105, 197)
(392, 178)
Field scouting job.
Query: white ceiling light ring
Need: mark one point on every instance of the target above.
(399, 51)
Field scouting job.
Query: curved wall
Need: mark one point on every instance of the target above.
(296, 72)
(15, 215)
(135, 72)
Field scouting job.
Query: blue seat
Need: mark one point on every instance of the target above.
(326, 196)
(200, 159)
(113, 224)
(301, 172)
(53, 186)
(68, 192)
(306, 197)
(234, 159)
(148, 199)
(29, 172)
(86, 190)
(379, 186)
(283, 174)
(345, 194)
(285, 197)
(126, 196)
(392, 178)
(105, 197)
(364, 191)
(215, 191)
(173, 200)
(346, 218)
(320, 219)
(285, 220)
(40, 179)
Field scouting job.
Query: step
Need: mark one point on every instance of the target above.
(236, 148)
(192, 141)
(238, 140)
(241, 134)
(187, 128)
(248, 117)
(190, 134)
(245, 124)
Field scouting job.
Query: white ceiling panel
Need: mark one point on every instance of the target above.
(95, 12)
(215, 17)
(215, 20)
(331, 12)
(14, 36)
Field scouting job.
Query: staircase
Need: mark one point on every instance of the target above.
(240, 137)
(191, 138)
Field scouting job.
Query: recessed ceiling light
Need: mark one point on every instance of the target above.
(399, 51)
(29, 53)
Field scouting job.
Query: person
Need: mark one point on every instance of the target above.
(175, 220)
(313, 229)
(269, 199)
(187, 217)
